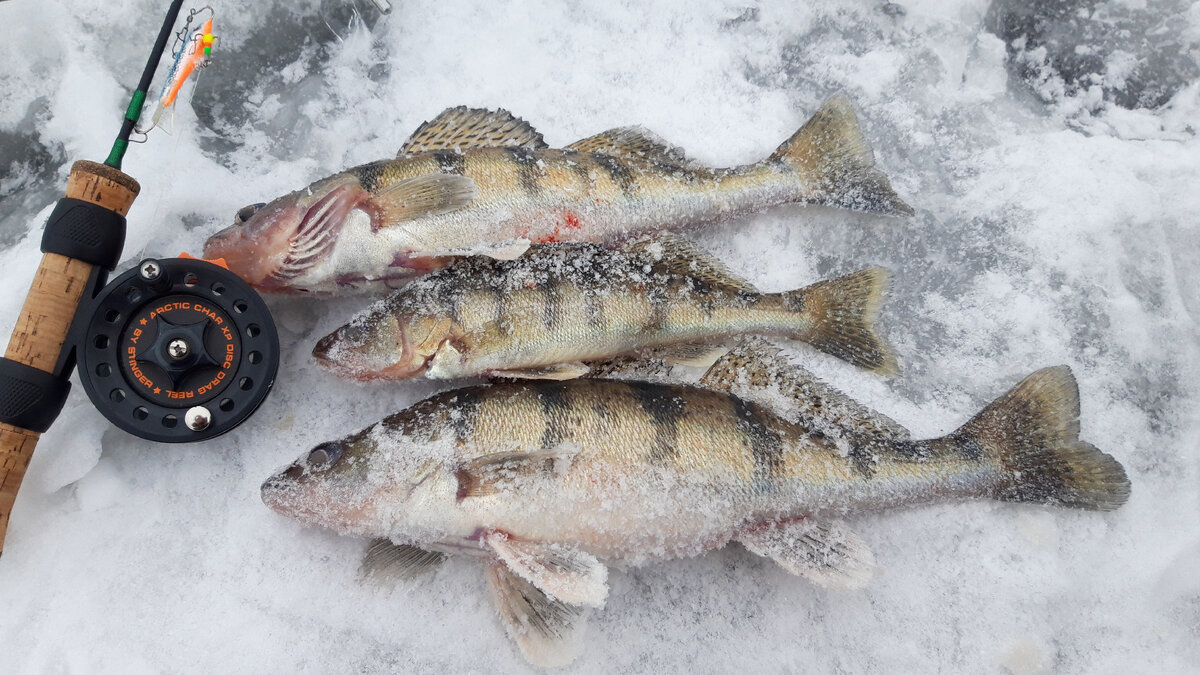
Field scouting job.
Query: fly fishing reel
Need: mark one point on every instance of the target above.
(177, 350)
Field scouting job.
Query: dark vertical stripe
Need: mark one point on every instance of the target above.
(466, 404)
(551, 302)
(449, 161)
(581, 166)
(556, 408)
(765, 445)
(370, 176)
(665, 410)
(620, 174)
(528, 170)
(660, 307)
(593, 307)
(449, 298)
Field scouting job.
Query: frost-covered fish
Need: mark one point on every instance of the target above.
(559, 306)
(545, 482)
(484, 182)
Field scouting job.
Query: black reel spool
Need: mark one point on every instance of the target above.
(178, 350)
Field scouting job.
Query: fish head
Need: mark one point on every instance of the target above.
(385, 345)
(377, 482)
(270, 245)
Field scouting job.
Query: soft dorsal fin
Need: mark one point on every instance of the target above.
(755, 367)
(560, 571)
(676, 256)
(387, 561)
(632, 143)
(462, 128)
(825, 552)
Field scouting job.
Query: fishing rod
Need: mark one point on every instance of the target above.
(173, 350)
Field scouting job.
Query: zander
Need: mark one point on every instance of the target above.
(484, 182)
(559, 307)
(545, 482)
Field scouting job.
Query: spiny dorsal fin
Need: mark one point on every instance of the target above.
(387, 561)
(461, 128)
(561, 572)
(756, 370)
(827, 553)
(675, 256)
(632, 143)
(546, 630)
(489, 474)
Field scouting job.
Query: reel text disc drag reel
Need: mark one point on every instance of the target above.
(177, 350)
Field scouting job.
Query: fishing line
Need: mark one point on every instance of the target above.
(134, 111)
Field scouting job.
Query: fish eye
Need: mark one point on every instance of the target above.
(323, 456)
(247, 212)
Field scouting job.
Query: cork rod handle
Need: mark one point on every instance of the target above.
(37, 340)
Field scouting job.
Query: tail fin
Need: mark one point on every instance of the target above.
(843, 312)
(1032, 433)
(831, 147)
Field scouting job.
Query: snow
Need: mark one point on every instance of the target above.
(1056, 222)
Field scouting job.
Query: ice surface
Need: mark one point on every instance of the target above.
(1053, 168)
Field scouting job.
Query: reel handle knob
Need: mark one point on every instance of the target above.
(59, 286)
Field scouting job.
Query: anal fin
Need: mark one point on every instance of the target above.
(827, 553)
(546, 630)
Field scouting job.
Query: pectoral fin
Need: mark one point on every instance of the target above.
(488, 474)
(563, 573)
(827, 553)
(429, 195)
(397, 562)
(546, 630)
(557, 371)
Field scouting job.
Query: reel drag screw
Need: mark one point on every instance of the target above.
(150, 270)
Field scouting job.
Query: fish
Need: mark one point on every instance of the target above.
(483, 182)
(561, 308)
(547, 483)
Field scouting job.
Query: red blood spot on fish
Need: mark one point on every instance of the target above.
(571, 221)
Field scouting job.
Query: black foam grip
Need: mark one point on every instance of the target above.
(85, 231)
(30, 398)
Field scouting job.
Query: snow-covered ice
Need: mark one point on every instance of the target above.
(1051, 154)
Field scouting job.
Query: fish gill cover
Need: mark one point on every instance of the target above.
(1042, 236)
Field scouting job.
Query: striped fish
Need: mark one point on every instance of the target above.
(484, 182)
(559, 306)
(546, 482)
